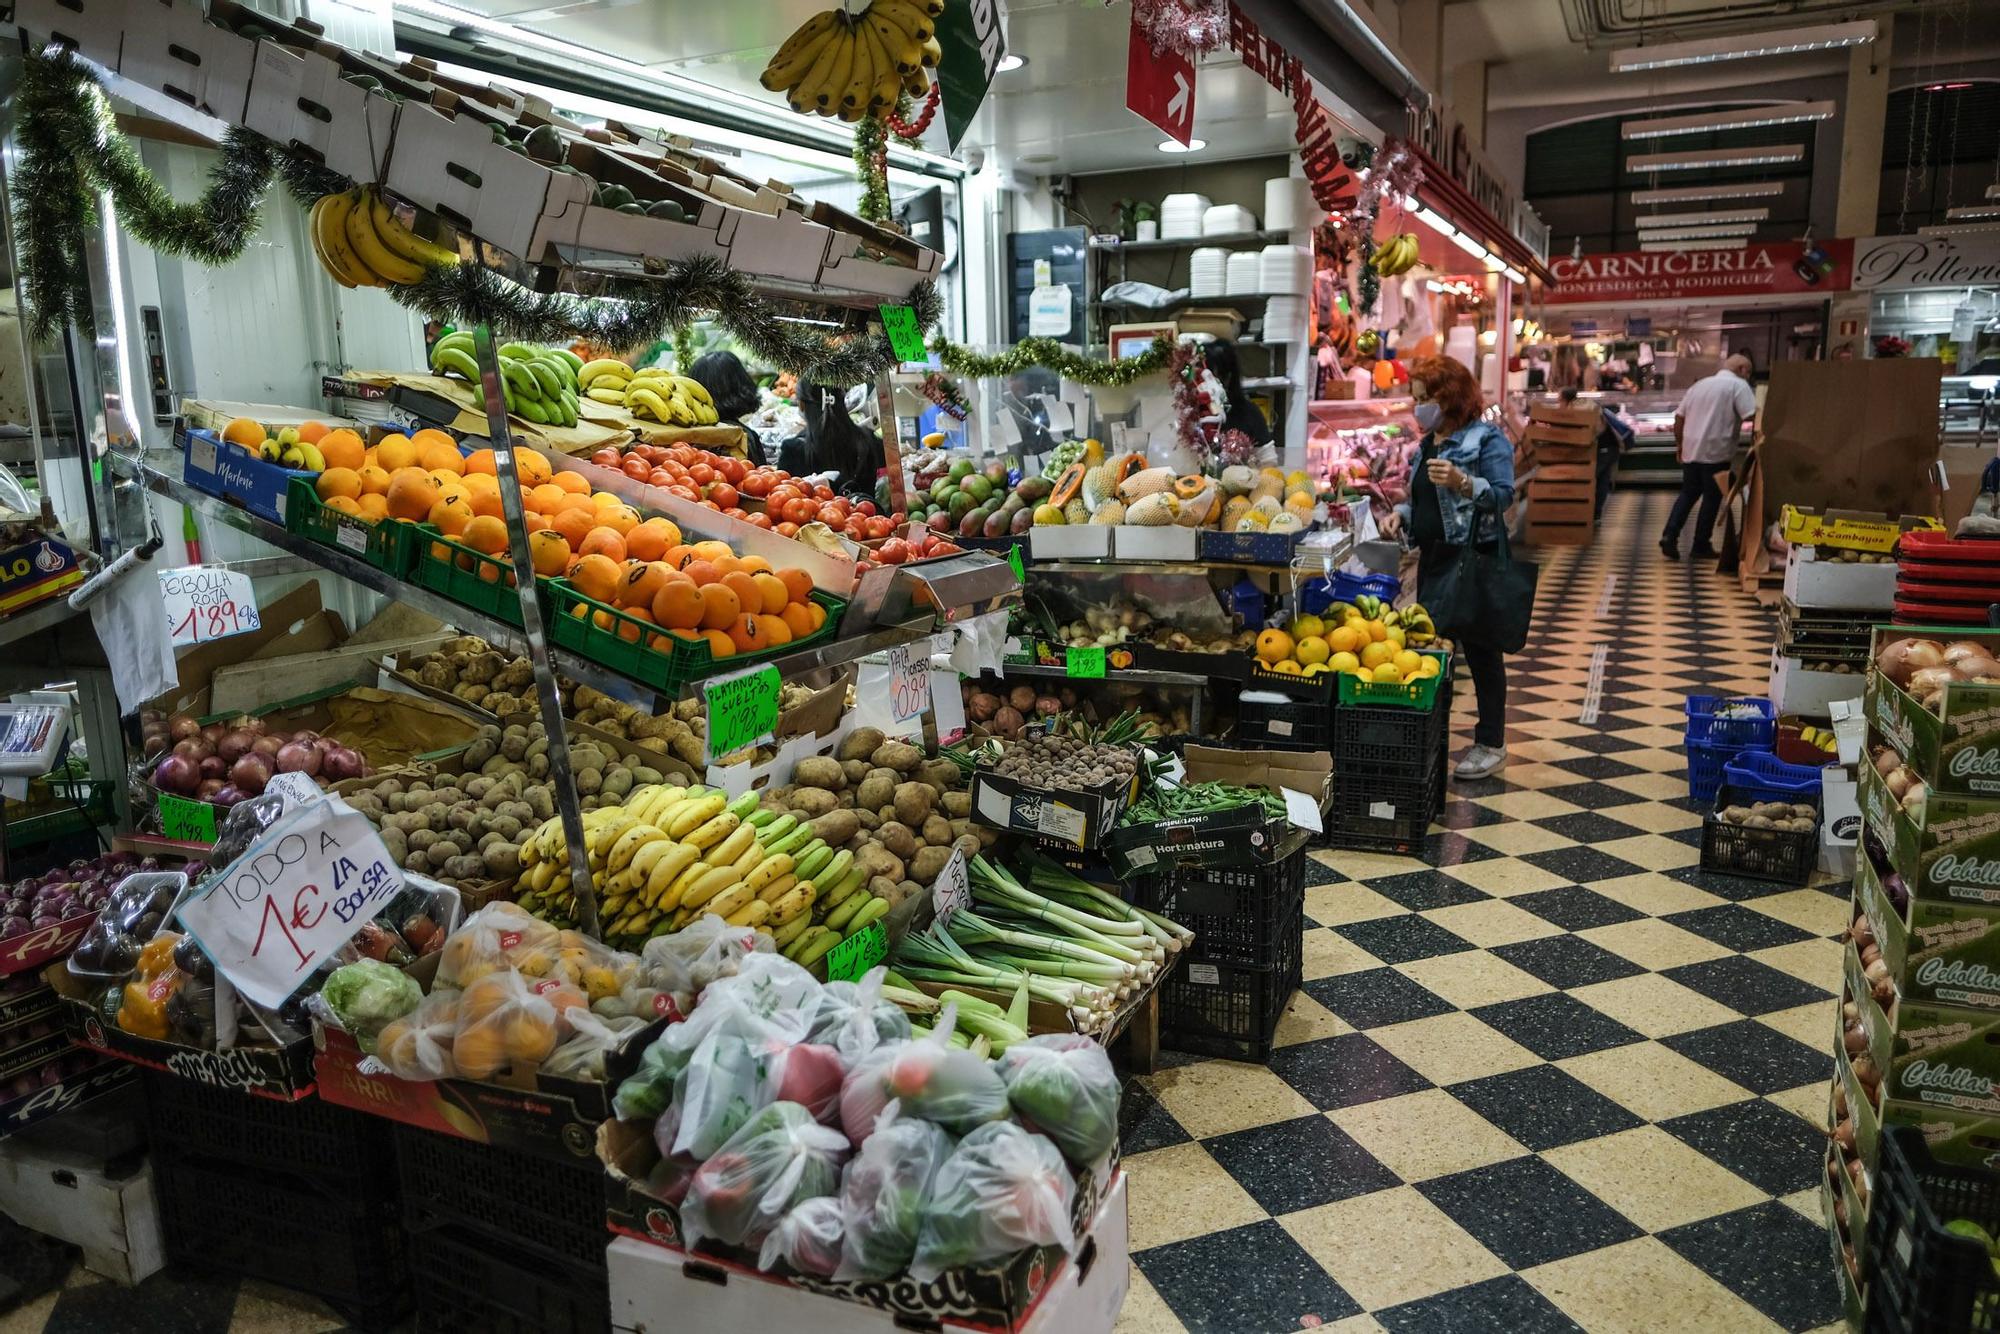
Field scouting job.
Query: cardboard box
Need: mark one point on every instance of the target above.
(1813, 580)
(1840, 822)
(1849, 530)
(39, 945)
(105, 1208)
(1247, 548)
(451, 166)
(1167, 542)
(1802, 688)
(299, 100)
(851, 268)
(1952, 855)
(36, 570)
(1956, 749)
(1243, 836)
(94, 29)
(85, 1076)
(1082, 541)
(235, 475)
(1937, 953)
(1952, 1137)
(1078, 817)
(170, 47)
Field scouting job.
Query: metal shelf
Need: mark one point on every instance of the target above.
(1113, 244)
(1269, 382)
(1186, 567)
(1189, 300)
(36, 619)
(1134, 675)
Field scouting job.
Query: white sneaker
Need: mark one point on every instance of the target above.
(1481, 762)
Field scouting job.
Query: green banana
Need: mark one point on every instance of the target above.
(445, 359)
(521, 378)
(545, 376)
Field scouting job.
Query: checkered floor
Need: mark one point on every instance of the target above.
(1546, 1074)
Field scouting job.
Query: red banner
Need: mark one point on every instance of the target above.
(1779, 268)
(1159, 85)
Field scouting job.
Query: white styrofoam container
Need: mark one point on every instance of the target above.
(94, 28)
(451, 166)
(1796, 689)
(653, 1291)
(1075, 541)
(299, 99)
(1165, 542)
(67, 1193)
(170, 48)
(1843, 585)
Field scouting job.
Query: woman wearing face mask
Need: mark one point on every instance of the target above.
(1460, 488)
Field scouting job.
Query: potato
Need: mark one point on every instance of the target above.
(506, 826)
(813, 801)
(397, 843)
(941, 774)
(459, 817)
(898, 755)
(503, 861)
(956, 804)
(936, 831)
(443, 850)
(877, 790)
(861, 743)
(646, 776)
(515, 746)
(836, 827)
(882, 887)
(847, 798)
(819, 771)
(876, 860)
(928, 863)
(541, 803)
(617, 781)
(968, 844)
(688, 750)
(914, 802)
(480, 753)
(855, 770)
(987, 837)
(590, 781)
(421, 839)
(464, 869)
(867, 819)
(488, 840)
(897, 838)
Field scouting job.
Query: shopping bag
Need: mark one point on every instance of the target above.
(1487, 597)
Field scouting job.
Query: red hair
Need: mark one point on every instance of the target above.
(1452, 388)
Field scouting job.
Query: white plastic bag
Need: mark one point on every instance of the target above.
(884, 1193)
(806, 1240)
(1062, 1085)
(779, 1158)
(1002, 1190)
(853, 1019)
(934, 1080)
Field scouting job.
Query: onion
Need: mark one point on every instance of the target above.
(229, 795)
(208, 788)
(297, 757)
(1900, 659)
(341, 764)
(193, 748)
(1854, 1040)
(1966, 648)
(1843, 1135)
(1927, 679)
(1898, 782)
(254, 726)
(213, 733)
(1865, 1071)
(1974, 667)
(1008, 721)
(183, 725)
(214, 766)
(1047, 705)
(1021, 698)
(267, 745)
(235, 744)
(176, 773)
(252, 772)
(306, 734)
(1887, 761)
(982, 706)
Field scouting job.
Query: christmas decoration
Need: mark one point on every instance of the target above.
(1187, 366)
(871, 167)
(1048, 353)
(1387, 177)
(905, 129)
(1334, 187)
(945, 394)
(1190, 28)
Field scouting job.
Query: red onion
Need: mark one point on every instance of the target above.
(208, 788)
(267, 745)
(341, 764)
(183, 725)
(235, 744)
(176, 773)
(193, 748)
(1007, 722)
(297, 757)
(230, 794)
(1021, 698)
(254, 726)
(251, 772)
(1047, 705)
(213, 733)
(214, 766)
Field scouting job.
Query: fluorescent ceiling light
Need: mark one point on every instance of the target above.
(1683, 233)
(1656, 247)
(1973, 213)
(1778, 113)
(1684, 194)
(1435, 223)
(1744, 46)
(1515, 276)
(1468, 245)
(1010, 61)
(1716, 157)
(1702, 219)
(1176, 146)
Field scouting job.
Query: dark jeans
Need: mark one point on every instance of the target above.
(1488, 666)
(1607, 466)
(1699, 482)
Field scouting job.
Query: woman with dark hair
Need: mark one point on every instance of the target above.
(1242, 415)
(734, 392)
(1458, 495)
(833, 443)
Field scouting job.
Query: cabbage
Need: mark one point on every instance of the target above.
(368, 994)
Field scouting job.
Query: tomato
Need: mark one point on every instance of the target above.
(801, 510)
(660, 477)
(684, 491)
(607, 457)
(834, 512)
(866, 507)
(878, 527)
(756, 484)
(637, 468)
(701, 474)
(654, 454)
(856, 527)
(761, 520)
(722, 493)
(787, 530)
(945, 549)
(898, 519)
(682, 455)
(822, 492)
(733, 470)
(736, 512)
(782, 492)
(894, 552)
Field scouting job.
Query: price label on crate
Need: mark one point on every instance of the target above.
(206, 602)
(300, 892)
(952, 889)
(186, 819)
(910, 681)
(1085, 663)
(294, 789)
(906, 336)
(742, 709)
(852, 957)
(1014, 563)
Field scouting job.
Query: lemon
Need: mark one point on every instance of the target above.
(1308, 627)
(1427, 665)
(1407, 661)
(1343, 662)
(1396, 635)
(1288, 667)
(1312, 649)
(1314, 669)
(1377, 653)
(1387, 675)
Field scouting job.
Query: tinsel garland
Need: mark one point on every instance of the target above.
(1190, 28)
(1367, 282)
(1185, 365)
(871, 168)
(1051, 355)
(945, 394)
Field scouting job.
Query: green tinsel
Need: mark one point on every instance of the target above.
(1366, 279)
(684, 347)
(871, 168)
(1048, 353)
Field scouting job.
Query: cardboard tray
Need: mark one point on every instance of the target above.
(1855, 530)
(1954, 750)
(73, 1091)
(1242, 836)
(1081, 818)
(236, 475)
(42, 944)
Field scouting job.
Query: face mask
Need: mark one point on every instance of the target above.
(1427, 414)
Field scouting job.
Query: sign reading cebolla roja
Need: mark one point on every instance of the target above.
(1775, 268)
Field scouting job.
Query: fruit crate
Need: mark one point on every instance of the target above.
(307, 1137)
(79, 804)
(469, 578)
(1374, 739)
(1792, 747)
(531, 1200)
(1703, 724)
(345, 1248)
(478, 1284)
(1386, 812)
(1705, 764)
(1231, 1010)
(1306, 723)
(1922, 1276)
(1421, 693)
(632, 649)
(1758, 775)
(388, 544)
(1782, 855)
(1239, 915)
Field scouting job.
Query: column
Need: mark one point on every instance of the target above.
(1862, 113)
(1468, 99)
(1420, 35)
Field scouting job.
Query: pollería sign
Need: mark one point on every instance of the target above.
(1778, 268)
(1889, 263)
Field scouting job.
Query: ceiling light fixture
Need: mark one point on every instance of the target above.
(1515, 276)
(1716, 157)
(1657, 247)
(1702, 219)
(1702, 122)
(1433, 221)
(1176, 146)
(1010, 61)
(1686, 194)
(1684, 233)
(1468, 245)
(1745, 46)
(1973, 213)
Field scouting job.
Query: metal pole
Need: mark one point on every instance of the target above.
(532, 629)
(892, 450)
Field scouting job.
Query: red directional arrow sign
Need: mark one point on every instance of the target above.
(1160, 87)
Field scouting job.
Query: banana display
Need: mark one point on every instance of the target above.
(540, 383)
(655, 393)
(1396, 255)
(672, 854)
(1418, 629)
(855, 65)
(288, 451)
(362, 243)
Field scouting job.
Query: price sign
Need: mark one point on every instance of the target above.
(275, 913)
(1086, 663)
(295, 788)
(909, 681)
(906, 338)
(206, 602)
(185, 819)
(1014, 563)
(742, 709)
(952, 890)
(847, 961)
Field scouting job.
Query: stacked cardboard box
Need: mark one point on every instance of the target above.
(1562, 492)
(1840, 581)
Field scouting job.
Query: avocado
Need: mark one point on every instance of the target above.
(635, 210)
(668, 209)
(544, 144)
(614, 196)
(368, 81)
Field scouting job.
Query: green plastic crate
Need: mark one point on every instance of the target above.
(388, 544)
(636, 659)
(1418, 694)
(459, 577)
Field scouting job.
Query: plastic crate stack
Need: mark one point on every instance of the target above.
(1719, 730)
(1388, 771)
(1945, 581)
(1931, 1274)
(301, 1194)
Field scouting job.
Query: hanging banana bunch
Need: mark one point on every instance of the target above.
(1396, 255)
(855, 65)
(362, 243)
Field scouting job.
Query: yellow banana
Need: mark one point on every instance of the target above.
(796, 56)
(694, 815)
(932, 52)
(319, 251)
(860, 87)
(808, 94)
(331, 233)
(732, 900)
(903, 49)
(906, 16)
(768, 870)
(386, 265)
(774, 890)
(401, 240)
(793, 905)
(710, 883)
(752, 913)
(629, 843)
(675, 894)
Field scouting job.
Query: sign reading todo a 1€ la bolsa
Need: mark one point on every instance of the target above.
(298, 894)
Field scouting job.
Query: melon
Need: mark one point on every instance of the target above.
(1146, 482)
(1287, 522)
(1111, 511)
(1049, 514)
(1153, 511)
(1235, 508)
(1237, 478)
(1251, 522)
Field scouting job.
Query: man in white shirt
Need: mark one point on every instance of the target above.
(1705, 430)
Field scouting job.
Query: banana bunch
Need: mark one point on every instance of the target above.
(1396, 255)
(539, 383)
(1820, 738)
(288, 451)
(360, 241)
(855, 65)
(656, 392)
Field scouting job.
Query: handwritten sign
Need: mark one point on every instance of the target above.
(206, 602)
(952, 889)
(295, 789)
(742, 709)
(852, 957)
(1085, 663)
(906, 337)
(186, 819)
(297, 895)
(909, 681)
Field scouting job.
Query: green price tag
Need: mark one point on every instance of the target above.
(852, 957)
(1085, 662)
(742, 709)
(900, 324)
(1014, 563)
(185, 820)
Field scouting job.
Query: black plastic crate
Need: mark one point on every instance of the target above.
(1786, 856)
(1416, 799)
(309, 1136)
(1919, 1276)
(1377, 738)
(1227, 1010)
(1239, 915)
(553, 1207)
(318, 1237)
(479, 1284)
(1303, 724)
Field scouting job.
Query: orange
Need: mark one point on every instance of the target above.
(622, 519)
(450, 516)
(484, 502)
(549, 550)
(648, 541)
(480, 461)
(573, 482)
(242, 431)
(373, 506)
(544, 499)
(643, 583)
(798, 585)
(725, 564)
(411, 494)
(374, 480)
(338, 482)
(678, 604)
(630, 630)
(603, 541)
(485, 534)
(775, 594)
(313, 432)
(745, 588)
(776, 632)
(440, 457)
(344, 504)
(1343, 639)
(701, 572)
(580, 503)
(747, 633)
(596, 577)
(798, 619)
(720, 645)
(533, 467)
(753, 565)
(431, 435)
(678, 556)
(343, 449)
(447, 481)
(719, 607)
(574, 527)
(604, 500)
(395, 451)
(711, 550)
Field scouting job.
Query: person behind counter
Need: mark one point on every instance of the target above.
(833, 443)
(1243, 415)
(734, 393)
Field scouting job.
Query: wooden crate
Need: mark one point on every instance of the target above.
(1545, 433)
(1555, 509)
(1565, 455)
(1566, 472)
(1542, 490)
(1559, 534)
(1557, 414)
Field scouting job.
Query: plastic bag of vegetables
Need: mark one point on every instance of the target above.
(934, 1081)
(1002, 1190)
(853, 1018)
(778, 1158)
(581, 1056)
(366, 995)
(418, 1046)
(806, 1240)
(502, 1021)
(684, 963)
(767, 999)
(1062, 1085)
(883, 1194)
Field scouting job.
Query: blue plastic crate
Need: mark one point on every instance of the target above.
(1760, 731)
(1762, 776)
(1347, 587)
(1706, 761)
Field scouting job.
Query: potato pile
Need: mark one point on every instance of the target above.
(476, 672)
(1060, 761)
(1792, 817)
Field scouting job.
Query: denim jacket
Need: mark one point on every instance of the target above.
(1483, 451)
